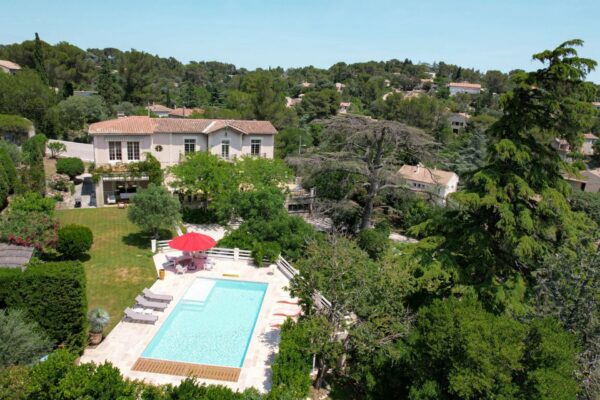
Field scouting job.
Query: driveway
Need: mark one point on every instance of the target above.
(80, 150)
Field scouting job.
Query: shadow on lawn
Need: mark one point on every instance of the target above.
(142, 239)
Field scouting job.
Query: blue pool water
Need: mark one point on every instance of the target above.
(212, 324)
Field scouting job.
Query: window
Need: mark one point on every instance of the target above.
(189, 145)
(114, 151)
(133, 151)
(225, 149)
(255, 147)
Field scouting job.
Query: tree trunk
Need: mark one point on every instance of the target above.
(320, 374)
(374, 166)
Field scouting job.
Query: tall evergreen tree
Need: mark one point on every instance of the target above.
(39, 60)
(513, 211)
(107, 84)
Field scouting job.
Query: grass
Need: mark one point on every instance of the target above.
(120, 262)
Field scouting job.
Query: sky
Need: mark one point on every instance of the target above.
(484, 34)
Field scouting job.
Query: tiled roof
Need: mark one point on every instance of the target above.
(142, 125)
(14, 256)
(590, 136)
(596, 103)
(465, 85)
(9, 64)
(185, 112)
(158, 108)
(419, 173)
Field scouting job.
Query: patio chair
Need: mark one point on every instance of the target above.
(132, 316)
(209, 265)
(180, 269)
(150, 295)
(155, 305)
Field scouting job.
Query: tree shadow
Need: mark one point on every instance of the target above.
(142, 239)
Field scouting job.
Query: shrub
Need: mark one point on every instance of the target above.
(25, 228)
(9, 167)
(53, 294)
(154, 208)
(4, 187)
(74, 240)
(14, 382)
(71, 166)
(21, 341)
(56, 148)
(98, 318)
(32, 202)
(375, 242)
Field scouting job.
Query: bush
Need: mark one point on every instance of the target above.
(32, 202)
(74, 241)
(9, 167)
(71, 166)
(198, 216)
(21, 341)
(28, 228)
(4, 187)
(53, 294)
(291, 368)
(374, 241)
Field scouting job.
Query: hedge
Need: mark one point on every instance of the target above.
(54, 295)
(14, 123)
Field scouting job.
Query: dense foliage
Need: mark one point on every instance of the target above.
(53, 294)
(21, 340)
(74, 241)
(71, 166)
(26, 228)
(154, 208)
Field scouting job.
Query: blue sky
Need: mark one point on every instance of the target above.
(485, 34)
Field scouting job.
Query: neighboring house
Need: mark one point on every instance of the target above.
(344, 107)
(439, 184)
(298, 199)
(588, 181)
(292, 101)
(464, 87)
(596, 104)
(9, 67)
(125, 140)
(160, 110)
(13, 256)
(458, 121)
(587, 147)
(306, 84)
(184, 112)
(339, 87)
(18, 137)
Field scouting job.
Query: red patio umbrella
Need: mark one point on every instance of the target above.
(192, 242)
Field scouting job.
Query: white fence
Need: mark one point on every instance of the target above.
(289, 271)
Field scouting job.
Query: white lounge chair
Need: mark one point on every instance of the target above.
(155, 305)
(150, 295)
(132, 316)
(180, 269)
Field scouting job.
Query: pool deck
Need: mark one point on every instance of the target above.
(125, 343)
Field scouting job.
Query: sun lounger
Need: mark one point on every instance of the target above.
(150, 295)
(180, 269)
(133, 316)
(155, 305)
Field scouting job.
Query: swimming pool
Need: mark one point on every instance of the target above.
(212, 324)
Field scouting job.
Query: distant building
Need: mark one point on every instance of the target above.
(306, 84)
(185, 112)
(464, 87)
(9, 67)
(587, 181)
(298, 199)
(596, 104)
(292, 101)
(339, 87)
(160, 110)
(564, 149)
(458, 121)
(344, 107)
(437, 183)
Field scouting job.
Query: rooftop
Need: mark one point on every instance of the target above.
(466, 85)
(14, 256)
(159, 108)
(9, 65)
(185, 112)
(142, 125)
(422, 174)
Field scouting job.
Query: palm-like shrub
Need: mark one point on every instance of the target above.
(98, 319)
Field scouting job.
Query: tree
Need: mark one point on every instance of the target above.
(27, 95)
(39, 60)
(513, 210)
(21, 341)
(77, 111)
(150, 167)
(56, 148)
(107, 85)
(496, 82)
(423, 112)
(74, 241)
(292, 141)
(259, 172)
(71, 166)
(370, 148)
(374, 241)
(319, 104)
(154, 208)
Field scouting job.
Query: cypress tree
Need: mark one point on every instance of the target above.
(38, 58)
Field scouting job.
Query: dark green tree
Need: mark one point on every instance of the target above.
(39, 60)
(154, 208)
(107, 85)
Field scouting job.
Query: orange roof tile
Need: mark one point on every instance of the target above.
(466, 85)
(426, 175)
(142, 125)
(9, 64)
(185, 112)
(158, 108)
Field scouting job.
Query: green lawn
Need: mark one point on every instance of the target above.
(120, 263)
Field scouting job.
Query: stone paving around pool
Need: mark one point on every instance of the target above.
(126, 342)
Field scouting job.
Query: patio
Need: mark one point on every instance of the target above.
(126, 342)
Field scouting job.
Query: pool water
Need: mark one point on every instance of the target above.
(212, 324)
